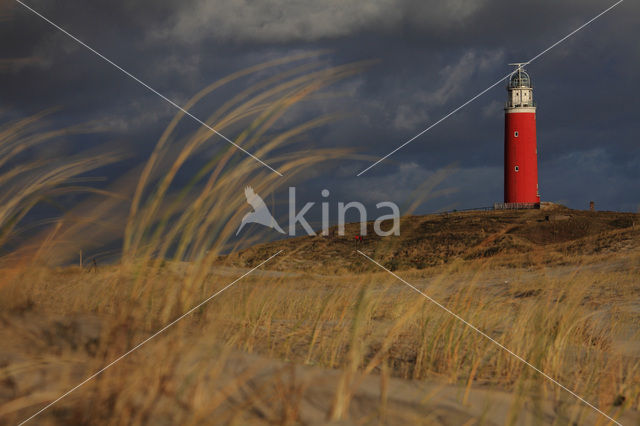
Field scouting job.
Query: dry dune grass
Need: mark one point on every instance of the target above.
(577, 325)
(287, 346)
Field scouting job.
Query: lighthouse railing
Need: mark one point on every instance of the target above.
(529, 104)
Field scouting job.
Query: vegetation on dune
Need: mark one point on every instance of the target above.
(574, 324)
(552, 236)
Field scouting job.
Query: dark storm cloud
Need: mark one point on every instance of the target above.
(291, 20)
(433, 56)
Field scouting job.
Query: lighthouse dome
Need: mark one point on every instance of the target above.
(520, 79)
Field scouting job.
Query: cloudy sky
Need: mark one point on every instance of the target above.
(431, 57)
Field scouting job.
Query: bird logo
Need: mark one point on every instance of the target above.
(260, 213)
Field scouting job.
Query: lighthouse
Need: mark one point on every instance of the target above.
(520, 146)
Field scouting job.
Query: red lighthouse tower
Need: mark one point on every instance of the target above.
(520, 146)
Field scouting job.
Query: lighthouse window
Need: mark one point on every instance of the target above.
(517, 168)
(515, 133)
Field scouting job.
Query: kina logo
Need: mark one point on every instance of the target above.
(263, 216)
(260, 213)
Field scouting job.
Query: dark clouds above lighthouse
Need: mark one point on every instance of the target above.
(433, 56)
